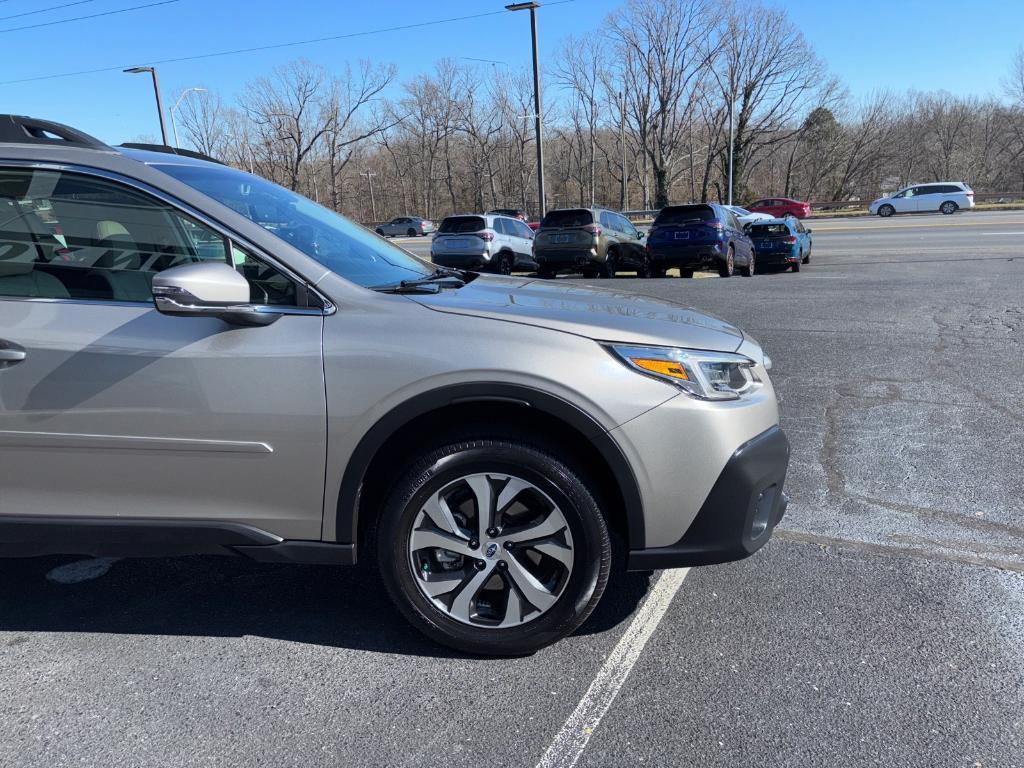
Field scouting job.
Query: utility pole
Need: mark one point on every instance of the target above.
(538, 115)
(159, 101)
(623, 202)
(373, 203)
(732, 134)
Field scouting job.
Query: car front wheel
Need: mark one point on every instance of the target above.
(886, 211)
(493, 546)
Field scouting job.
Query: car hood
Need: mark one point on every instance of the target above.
(597, 313)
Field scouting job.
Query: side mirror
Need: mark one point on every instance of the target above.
(746, 227)
(208, 289)
(808, 230)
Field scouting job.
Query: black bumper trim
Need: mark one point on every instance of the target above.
(739, 514)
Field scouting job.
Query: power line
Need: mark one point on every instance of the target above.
(91, 16)
(44, 10)
(274, 46)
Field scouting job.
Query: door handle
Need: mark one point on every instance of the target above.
(10, 354)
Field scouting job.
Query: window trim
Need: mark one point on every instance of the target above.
(329, 307)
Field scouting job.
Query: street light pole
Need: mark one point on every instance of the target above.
(373, 203)
(174, 126)
(159, 101)
(538, 116)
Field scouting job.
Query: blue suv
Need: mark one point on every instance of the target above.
(782, 242)
(704, 236)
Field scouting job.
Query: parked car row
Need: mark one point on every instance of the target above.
(599, 243)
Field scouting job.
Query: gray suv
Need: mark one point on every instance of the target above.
(195, 360)
(594, 241)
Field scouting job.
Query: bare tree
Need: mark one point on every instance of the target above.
(202, 119)
(665, 47)
(349, 122)
(290, 112)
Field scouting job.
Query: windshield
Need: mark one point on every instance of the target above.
(769, 229)
(344, 247)
(573, 217)
(685, 214)
(739, 211)
(461, 224)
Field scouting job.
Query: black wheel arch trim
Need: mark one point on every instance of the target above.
(347, 510)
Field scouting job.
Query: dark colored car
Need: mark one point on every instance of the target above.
(700, 236)
(781, 206)
(782, 242)
(515, 213)
(593, 241)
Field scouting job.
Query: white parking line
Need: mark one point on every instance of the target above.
(568, 745)
(81, 570)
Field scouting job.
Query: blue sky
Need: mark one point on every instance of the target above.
(900, 44)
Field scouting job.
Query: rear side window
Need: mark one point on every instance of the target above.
(685, 214)
(571, 217)
(461, 224)
(501, 225)
(769, 229)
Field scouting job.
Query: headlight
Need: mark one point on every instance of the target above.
(705, 375)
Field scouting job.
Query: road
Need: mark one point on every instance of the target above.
(884, 624)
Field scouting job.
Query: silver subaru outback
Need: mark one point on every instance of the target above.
(195, 360)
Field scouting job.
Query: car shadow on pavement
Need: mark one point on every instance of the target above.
(235, 597)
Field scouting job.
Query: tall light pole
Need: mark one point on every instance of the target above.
(373, 203)
(532, 8)
(159, 101)
(174, 126)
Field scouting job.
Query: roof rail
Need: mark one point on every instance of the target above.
(168, 150)
(18, 129)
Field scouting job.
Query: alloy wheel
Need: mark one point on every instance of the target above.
(491, 550)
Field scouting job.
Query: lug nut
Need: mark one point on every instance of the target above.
(473, 543)
(502, 565)
(509, 545)
(492, 532)
(479, 564)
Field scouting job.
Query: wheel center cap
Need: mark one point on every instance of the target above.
(492, 550)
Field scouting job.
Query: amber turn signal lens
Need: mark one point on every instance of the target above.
(664, 367)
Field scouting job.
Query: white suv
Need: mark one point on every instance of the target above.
(945, 196)
(484, 242)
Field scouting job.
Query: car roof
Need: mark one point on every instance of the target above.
(788, 220)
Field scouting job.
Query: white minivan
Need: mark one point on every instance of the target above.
(946, 197)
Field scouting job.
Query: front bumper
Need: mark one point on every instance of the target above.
(738, 515)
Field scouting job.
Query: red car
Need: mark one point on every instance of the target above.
(781, 206)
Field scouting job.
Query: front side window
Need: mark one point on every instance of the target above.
(70, 236)
(345, 248)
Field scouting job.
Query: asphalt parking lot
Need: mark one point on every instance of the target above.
(884, 624)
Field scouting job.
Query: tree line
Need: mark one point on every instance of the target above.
(636, 116)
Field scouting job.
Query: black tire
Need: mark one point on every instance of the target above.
(807, 258)
(410, 232)
(503, 263)
(796, 264)
(728, 267)
(687, 273)
(379, 231)
(546, 273)
(949, 207)
(565, 486)
(646, 268)
(748, 270)
(886, 211)
(610, 267)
